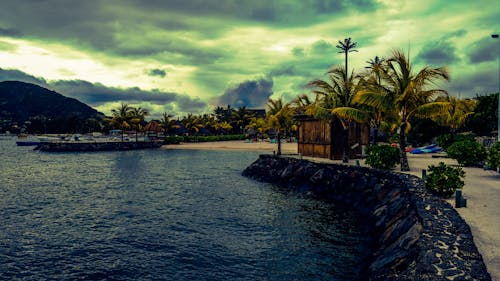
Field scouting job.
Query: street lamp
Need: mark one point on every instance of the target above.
(495, 36)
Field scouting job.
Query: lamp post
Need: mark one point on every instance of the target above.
(495, 36)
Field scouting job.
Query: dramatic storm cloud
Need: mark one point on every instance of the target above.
(252, 94)
(194, 54)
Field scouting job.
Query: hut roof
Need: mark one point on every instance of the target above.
(153, 126)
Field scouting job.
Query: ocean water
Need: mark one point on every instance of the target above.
(163, 215)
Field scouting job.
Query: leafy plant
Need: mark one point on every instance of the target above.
(493, 158)
(467, 153)
(443, 180)
(444, 141)
(179, 139)
(382, 156)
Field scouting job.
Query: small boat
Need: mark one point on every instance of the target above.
(433, 148)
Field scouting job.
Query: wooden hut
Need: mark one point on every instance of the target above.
(324, 138)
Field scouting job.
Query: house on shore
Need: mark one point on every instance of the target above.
(325, 138)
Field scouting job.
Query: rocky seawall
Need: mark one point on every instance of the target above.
(415, 235)
(94, 146)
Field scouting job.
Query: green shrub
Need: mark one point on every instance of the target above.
(382, 156)
(179, 139)
(493, 158)
(467, 153)
(443, 180)
(444, 141)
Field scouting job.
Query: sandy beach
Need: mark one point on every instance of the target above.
(482, 191)
(286, 148)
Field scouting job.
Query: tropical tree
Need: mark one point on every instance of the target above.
(241, 117)
(121, 118)
(346, 47)
(336, 98)
(456, 113)
(167, 123)
(138, 118)
(192, 123)
(375, 67)
(407, 93)
(280, 117)
(379, 118)
(304, 105)
(259, 125)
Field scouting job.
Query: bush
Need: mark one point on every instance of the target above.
(179, 139)
(382, 156)
(467, 153)
(493, 158)
(443, 180)
(444, 141)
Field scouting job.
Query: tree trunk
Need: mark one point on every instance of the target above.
(374, 135)
(279, 143)
(345, 156)
(403, 159)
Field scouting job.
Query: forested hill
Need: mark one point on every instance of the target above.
(21, 101)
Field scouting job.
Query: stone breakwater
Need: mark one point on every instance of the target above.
(415, 235)
(82, 146)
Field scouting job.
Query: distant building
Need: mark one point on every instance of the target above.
(259, 113)
(324, 138)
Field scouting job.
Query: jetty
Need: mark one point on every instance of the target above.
(87, 146)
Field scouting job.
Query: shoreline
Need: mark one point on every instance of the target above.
(482, 190)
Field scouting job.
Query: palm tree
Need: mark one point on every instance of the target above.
(121, 117)
(167, 123)
(347, 47)
(192, 123)
(280, 117)
(336, 98)
(375, 67)
(241, 117)
(304, 105)
(259, 125)
(456, 113)
(403, 92)
(378, 118)
(137, 118)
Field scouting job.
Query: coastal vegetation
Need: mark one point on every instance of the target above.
(443, 180)
(382, 156)
(467, 153)
(493, 158)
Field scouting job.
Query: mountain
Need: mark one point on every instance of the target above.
(21, 101)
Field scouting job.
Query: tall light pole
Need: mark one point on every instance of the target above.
(495, 36)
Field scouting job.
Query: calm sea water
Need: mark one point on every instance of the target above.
(162, 215)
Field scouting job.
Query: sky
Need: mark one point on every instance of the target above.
(181, 56)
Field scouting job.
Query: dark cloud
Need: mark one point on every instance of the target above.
(438, 53)
(16, 75)
(477, 82)
(156, 72)
(252, 94)
(95, 94)
(484, 50)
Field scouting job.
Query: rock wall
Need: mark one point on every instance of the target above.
(415, 235)
(94, 146)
